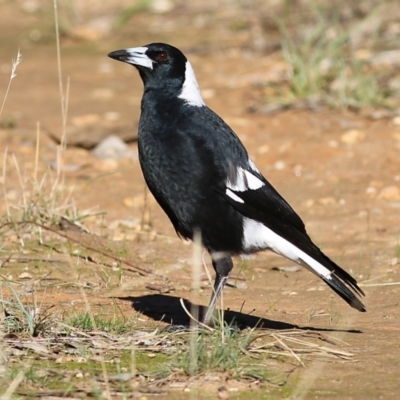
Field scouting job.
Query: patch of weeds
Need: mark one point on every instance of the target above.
(24, 317)
(115, 324)
(126, 14)
(221, 350)
(324, 68)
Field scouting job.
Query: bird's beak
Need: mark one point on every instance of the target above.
(135, 56)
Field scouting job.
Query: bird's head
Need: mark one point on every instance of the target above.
(165, 68)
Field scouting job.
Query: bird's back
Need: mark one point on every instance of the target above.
(186, 154)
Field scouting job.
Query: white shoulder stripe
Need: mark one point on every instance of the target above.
(245, 180)
(258, 236)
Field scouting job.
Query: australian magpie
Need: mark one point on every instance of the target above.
(202, 176)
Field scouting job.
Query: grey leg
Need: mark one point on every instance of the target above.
(222, 266)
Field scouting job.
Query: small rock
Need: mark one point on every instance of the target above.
(25, 275)
(112, 116)
(83, 121)
(394, 261)
(309, 202)
(161, 6)
(112, 147)
(396, 120)
(263, 149)
(223, 393)
(333, 144)
(389, 193)
(389, 58)
(326, 200)
(280, 165)
(241, 285)
(291, 268)
(208, 93)
(352, 136)
(102, 94)
(371, 191)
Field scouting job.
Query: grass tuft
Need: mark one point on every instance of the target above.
(115, 324)
(324, 68)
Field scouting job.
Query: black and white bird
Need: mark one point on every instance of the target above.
(202, 176)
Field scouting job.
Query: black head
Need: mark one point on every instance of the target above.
(161, 67)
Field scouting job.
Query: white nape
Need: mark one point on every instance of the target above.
(190, 90)
(257, 236)
(245, 180)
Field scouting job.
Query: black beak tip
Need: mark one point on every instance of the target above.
(118, 55)
(112, 55)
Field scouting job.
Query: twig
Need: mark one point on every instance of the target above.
(194, 319)
(138, 269)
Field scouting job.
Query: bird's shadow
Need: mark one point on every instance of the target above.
(161, 307)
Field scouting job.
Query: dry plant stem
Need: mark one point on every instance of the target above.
(4, 183)
(192, 318)
(13, 75)
(140, 270)
(103, 364)
(196, 265)
(285, 346)
(21, 183)
(13, 386)
(37, 151)
(62, 98)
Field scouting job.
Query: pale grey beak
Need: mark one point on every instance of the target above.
(135, 56)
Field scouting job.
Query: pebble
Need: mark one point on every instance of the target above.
(326, 200)
(161, 6)
(25, 275)
(208, 93)
(396, 136)
(263, 149)
(333, 143)
(83, 121)
(388, 58)
(280, 165)
(102, 94)
(352, 136)
(241, 285)
(223, 393)
(394, 261)
(309, 202)
(112, 147)
(396, 120)
(389, 193)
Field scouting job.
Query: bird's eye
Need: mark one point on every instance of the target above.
(162, 56)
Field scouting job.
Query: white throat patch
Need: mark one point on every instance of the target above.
(190, 90)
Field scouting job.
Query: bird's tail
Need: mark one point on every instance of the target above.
(340, 281)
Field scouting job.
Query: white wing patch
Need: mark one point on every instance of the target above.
(253, 166)
(258, 236)
(245, 180)
(190, 90)
(233, 196)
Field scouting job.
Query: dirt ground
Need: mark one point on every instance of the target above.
(338, 169)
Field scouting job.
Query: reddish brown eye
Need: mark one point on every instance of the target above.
(162, 56)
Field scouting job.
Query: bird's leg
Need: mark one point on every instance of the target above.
(222, 265)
